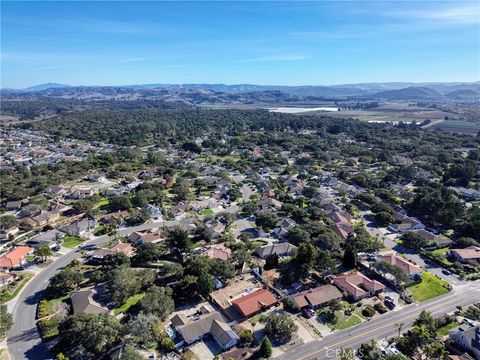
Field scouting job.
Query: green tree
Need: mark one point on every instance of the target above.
(266, 220)
(149, 252)
(246, 337)
(413, 241)
(179, 238)
(205, 284)
(290, 305)
(306, 254)
(43, 251)
(8, 221)
(64, 282)
(280, 326)
(94, 333)
(350, 257)
(158, 301)
(130, 353)
(265, 348)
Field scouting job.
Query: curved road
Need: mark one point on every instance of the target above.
(24, 341)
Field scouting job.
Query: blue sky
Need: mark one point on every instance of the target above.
(290, 43)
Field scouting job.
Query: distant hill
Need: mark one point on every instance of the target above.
(463, 94)
(409, 93)
(45, 87)
(250, 93)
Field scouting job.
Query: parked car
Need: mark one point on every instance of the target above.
(308, 313)
(446, 272)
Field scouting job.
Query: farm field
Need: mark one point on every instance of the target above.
(460, 126)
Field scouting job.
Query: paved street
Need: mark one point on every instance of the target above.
(24, 341)
(382, 326)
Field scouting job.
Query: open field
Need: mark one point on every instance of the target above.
(459, 126)
(393, 115)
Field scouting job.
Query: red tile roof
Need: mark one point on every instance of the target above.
(15, 257)
(254, 302)
(394, 259)
(352, 281)
(471, 252)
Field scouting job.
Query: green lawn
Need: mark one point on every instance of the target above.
(72, 241)
(9, 291)
(129, 303)
(443, 331)
(258, 243)
(206, 212)
(430, 287)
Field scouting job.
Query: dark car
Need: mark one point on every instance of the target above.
(389, 304)
(446, 272)
(308, 313)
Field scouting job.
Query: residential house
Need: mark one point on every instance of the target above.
(83, 302)
(283, 226)
(15, 205)
(119, 217)
(81, 192)
(316, 297)
(16, 257)
(209, 322)
(96, 177)
(5, 234)
(468, 254)
(467, 338)
(280, 249)
(155, 211)
(217, 251)
(403, 223)
(357, 285)
(215, 229)
(139, 237)
(178, 210)
(126, 249)
(342, 229)
(468, 193)
(80, 227)
(433, 240)
(395, 260)
(269, 204)
(55, 191)
(255, 302)
(341, 221)
(6, 278)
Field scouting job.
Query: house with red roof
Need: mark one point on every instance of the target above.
(15, 257)
(357, 285)
(395, 260)
(255, 302)
(468, 254)
(217, 251)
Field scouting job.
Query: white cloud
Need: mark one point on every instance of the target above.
(465, 14)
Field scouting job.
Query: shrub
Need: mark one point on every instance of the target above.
(368, 311)
(265, 347)
(290, 305)
(43, 309)
(380, 308)
(246, 337)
